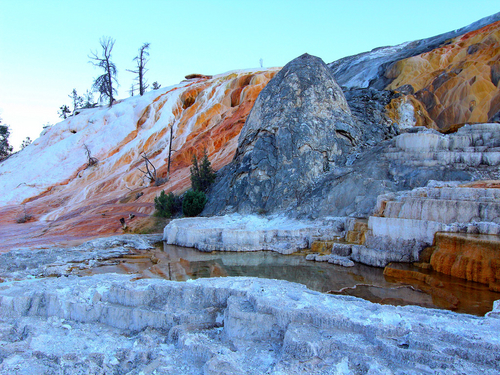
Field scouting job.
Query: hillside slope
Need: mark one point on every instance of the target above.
(440, 82)
(51, 180)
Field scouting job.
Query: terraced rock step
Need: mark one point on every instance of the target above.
(472, 257)
(444, 210)
(406, 222)
(238, 325)
(469, 137)
(331, 247)
(358, 234)
(465, 158)
(251, 233)
(471, 146)
(339, 251)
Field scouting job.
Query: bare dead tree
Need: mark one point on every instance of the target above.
(170, 151)
(150, 172)
(77, 101)
(104, 83)
(141, 59)
(90, 159)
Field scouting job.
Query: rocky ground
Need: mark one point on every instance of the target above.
(251, 232)
(306, 150)
(111, 324)
(57, 261)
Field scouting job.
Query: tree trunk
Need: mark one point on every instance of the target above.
(110, 83)
(169, 152)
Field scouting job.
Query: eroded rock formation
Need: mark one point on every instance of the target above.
(65, 198)
(405, 162)
(68, 199)
(456, 83)
(109, 324)
(251, 233)
(305, 150)
(469, 256)
(299, 128)
(406, 222)
(445, 81)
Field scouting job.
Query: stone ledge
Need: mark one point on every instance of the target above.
(251, 233)
(231, 321)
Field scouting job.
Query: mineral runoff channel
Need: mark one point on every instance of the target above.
(180, 264)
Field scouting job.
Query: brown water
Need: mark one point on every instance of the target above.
(181, 263)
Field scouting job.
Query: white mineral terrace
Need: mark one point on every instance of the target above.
(251, 233)
(110, 324)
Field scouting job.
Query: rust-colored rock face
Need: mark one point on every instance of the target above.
(70, 201)
(455, 84)
(468, 256)
(406, 274)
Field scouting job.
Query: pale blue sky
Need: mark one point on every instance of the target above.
(44, 44)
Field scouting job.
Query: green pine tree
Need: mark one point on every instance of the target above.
(5, 147)
(202, 174)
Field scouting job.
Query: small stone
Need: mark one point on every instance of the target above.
(341, 261)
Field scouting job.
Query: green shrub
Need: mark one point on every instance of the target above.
(167, 205)
(193, 203)
(202, 174)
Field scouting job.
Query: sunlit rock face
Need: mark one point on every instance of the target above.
(443, 81)
(456, 83)
(51, 181)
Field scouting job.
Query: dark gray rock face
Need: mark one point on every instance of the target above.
(368, 108)
(353, 190)
(496, 117)
(299, 128)
(304, 153)
(368, 69)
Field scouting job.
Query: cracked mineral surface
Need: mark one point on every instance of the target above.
(118, 324)
(108, 324)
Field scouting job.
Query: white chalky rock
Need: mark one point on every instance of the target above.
(408, 220)
(250, 233)
(340, 261)
(331, 258)
(226, 326)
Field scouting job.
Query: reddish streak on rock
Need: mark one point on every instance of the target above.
(63, 220)
(455, 82)
(468, 256)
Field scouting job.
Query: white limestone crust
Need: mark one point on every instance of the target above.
(250, 233)
(110, 324)
(408, 220)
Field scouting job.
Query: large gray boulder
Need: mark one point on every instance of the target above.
(304, 153)
(299, 128)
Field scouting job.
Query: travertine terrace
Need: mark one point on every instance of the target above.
(67, 199)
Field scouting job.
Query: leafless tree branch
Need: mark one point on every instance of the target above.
(91, 161)
(150, 172)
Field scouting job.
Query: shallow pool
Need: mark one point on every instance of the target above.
(181, 263)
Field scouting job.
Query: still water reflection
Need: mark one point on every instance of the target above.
(181, 263)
